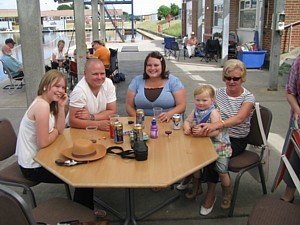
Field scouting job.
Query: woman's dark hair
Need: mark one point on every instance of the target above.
(157, 55)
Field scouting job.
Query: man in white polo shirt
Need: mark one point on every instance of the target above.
(93, 98)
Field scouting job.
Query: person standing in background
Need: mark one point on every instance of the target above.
(293, 96)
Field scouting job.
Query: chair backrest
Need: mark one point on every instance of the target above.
(6, 70)
(13, 208)
(254, 137)
(168, 41)
(73, 67)
(212, 45)
(113, 60)
(174, 46)
(8, 139)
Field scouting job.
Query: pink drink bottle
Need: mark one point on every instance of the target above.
(153, 129)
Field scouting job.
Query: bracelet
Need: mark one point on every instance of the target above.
(223, 123)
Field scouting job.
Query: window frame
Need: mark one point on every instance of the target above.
(247, 6)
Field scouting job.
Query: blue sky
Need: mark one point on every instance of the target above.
(140, 6)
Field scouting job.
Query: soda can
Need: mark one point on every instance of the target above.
(138, 132)
(111, 128)
(118, 133)
(176, 121)
(131, 138)
(140, 117)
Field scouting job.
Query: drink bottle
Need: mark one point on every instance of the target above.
(153, 129)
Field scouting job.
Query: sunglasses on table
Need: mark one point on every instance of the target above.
(232, 78)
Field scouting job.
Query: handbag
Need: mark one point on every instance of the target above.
(139, 152)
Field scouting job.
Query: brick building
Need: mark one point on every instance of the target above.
(246, 17)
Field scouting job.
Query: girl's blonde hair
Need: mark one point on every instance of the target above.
(231, 65)
(205, 88)
(46, 81)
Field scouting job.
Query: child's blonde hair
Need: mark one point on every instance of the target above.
(205, 88)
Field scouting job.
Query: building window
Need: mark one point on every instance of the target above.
(218, 15)
(247, 13)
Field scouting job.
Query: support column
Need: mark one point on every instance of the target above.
(31, 45)
(225, 38)
(200, 21)
(275, 47)
(80, 36)
(102, 21)
(132, 23)
(95, 20)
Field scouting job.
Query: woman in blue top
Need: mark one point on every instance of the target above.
(156, 88)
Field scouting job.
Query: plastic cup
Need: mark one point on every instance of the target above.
(92, 133)
(157, 111)
(112, 119)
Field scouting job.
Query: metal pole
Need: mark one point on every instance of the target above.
(275, 48)
(132, 23)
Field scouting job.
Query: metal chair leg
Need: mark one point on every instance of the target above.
(234, 193)
(262, 179)
(68, 191)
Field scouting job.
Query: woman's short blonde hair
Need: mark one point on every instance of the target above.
(231, 65)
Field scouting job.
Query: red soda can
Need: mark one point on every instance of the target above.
(111, 128)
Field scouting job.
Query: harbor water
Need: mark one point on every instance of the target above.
(50, 40)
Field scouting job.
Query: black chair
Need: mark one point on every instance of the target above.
(212, 50)
(12, 175)
(250, 159)
(175, 50)
(114, 65)
(15, 211)
(15, 82)
(232, 46)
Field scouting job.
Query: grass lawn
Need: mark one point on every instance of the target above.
(174, 28)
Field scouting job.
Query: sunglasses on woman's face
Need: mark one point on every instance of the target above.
(232, 78)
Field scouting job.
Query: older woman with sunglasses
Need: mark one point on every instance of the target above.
(236, 107)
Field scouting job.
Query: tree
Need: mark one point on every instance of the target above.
(64, 7)
(68, 7)
(174, 9)
(163, 11)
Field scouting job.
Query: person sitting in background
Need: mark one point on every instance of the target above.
(59, 56)
(10, 42)
(192, 44)
(156, 88)
(93, 98)
(101, 52)
(14, 66)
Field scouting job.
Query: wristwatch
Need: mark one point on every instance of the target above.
(92, 117)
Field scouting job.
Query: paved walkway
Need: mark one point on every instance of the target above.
(191, 72)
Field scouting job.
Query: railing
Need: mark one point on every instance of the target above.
(290, 26)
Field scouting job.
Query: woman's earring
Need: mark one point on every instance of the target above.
(44, 89)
